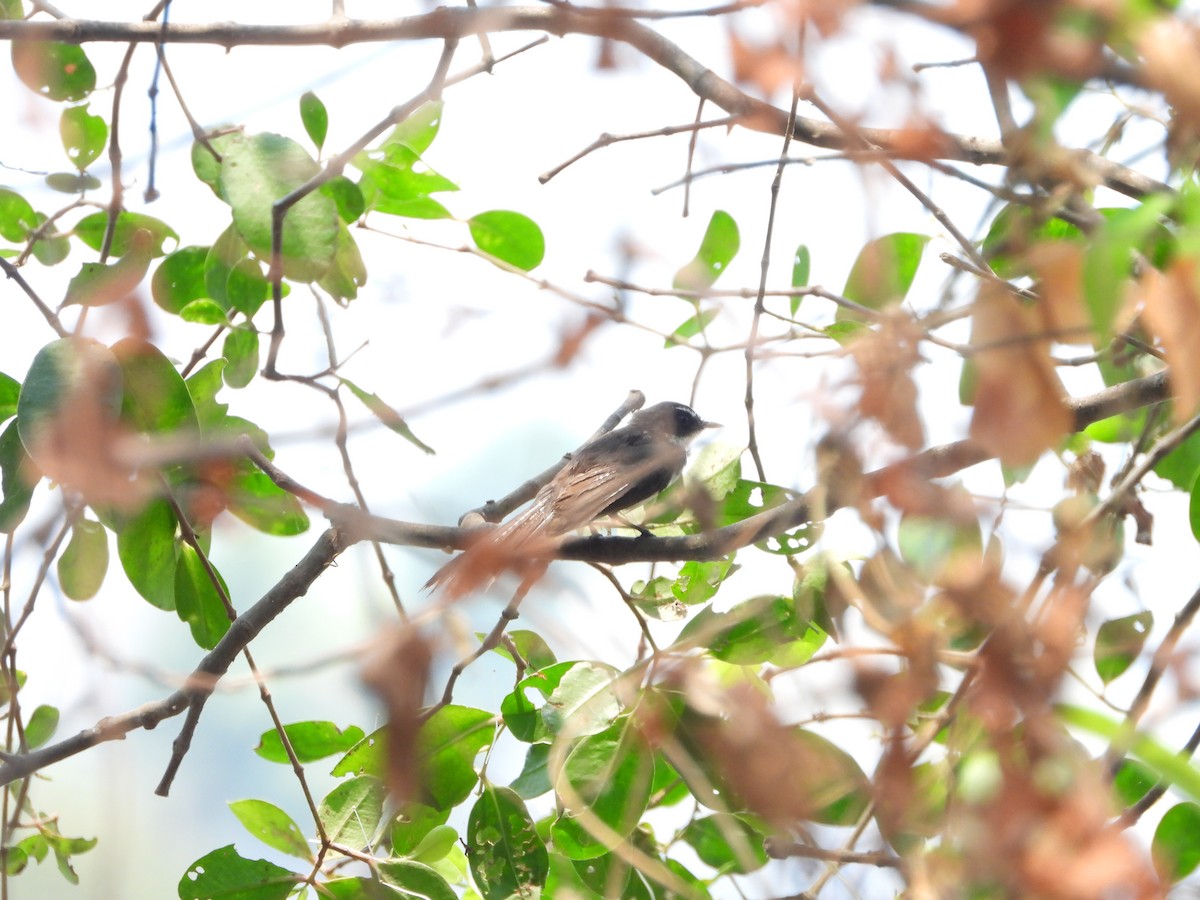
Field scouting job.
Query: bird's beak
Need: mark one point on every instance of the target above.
(713, 425)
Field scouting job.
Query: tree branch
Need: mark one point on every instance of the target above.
(204, 678)
(457, 23)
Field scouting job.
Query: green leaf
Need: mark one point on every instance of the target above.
(310, 741)
(348, 197)
(63, 373)
(418, 130)
(504, 851)
(15, 485)
(386, 415)
(1016, 228)
(348, 272)
(1132, 782)
(749, 498)
(584, 702)
(241, 351)
(534, 779)
(179, 279)
(718, 247)
(56, 71)
(246, 289)
(1165, 764)
(208, 167)
(439, 842)
(1108, 261)
(197, 600)
(352, 810)
(315, 118)
(156, 399)
(1118, 643)
(83, 135)
(531, 646)
(11, 9)
(260, 503)
(51, 248)
(411, 880)
(749, 634)
(91, 229)
(610, 773)
(699, 581)
(883, 272)
(509, 236)
(447, 745)
(401, 184)
(413, 824)
(1194, 507)
(691, 327)
(84, 562)
(17, 217)
(204, 312)
(726, 843)
(72, 182)
(260, 169)
(1175, 846)
(10, 390)
(1181, 466)
(224, 874)
(272, 826)
(99, 284)
(524, 719)
(148, 550)
(64, 848)
(204, 385)
(227, 251)
(801, 263)
(40, 727)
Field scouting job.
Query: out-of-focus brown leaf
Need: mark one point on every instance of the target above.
(892, 697)
(84, 446)
(1059, 269)
(1170, 52)
(768, 67)
(1019, 401)
(921, 140)
(839, 472)
(768, 767)
(1086, 472)
(572, 340)
(398, 671)
(1020, 38)
(885, 359)
(891, 588)
(1172, 312)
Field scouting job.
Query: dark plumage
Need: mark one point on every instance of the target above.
(613, 472)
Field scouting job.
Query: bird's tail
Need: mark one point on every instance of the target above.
(517, 546)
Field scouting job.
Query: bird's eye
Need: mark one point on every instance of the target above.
(685, 419)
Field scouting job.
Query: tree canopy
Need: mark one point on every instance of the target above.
(920, 618)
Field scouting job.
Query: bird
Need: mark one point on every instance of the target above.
(610, 473)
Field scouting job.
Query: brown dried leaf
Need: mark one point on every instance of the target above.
(1172, 313)
(885, 359)
(398, 671)
(1019, 401)
(1059, 268)
(1170, 51)
(768, 67)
